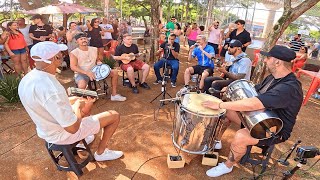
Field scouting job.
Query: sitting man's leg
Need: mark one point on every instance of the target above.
(206, 73)
(218, 85)
(207, 83)
(81, 81)
(140, 65)
(238, 147)
(130, 74)
(114, 82)
(156, 68)
(188, 72)
(175, 69)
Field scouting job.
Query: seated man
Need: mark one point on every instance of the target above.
(171, 52)
(204, 53)
(83, 59)
(240, 69)
(280, 91)
(47, 103)
(136, 64)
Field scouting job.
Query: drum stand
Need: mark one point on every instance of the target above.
(163, 92)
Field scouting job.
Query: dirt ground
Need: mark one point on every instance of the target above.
(141, 137)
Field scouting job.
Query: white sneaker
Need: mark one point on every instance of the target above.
(218, 145)
(89, 139)
(108, 155)
(118, 97)
(219, 170)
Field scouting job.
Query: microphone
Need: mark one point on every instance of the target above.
(284, 161)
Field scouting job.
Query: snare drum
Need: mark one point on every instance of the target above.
(196, 127)
(101, 71)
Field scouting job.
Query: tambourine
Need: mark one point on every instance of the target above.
(101, 71)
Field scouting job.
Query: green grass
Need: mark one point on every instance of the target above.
(9, 88)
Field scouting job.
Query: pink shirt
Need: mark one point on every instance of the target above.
(193, 35)
(214, 36)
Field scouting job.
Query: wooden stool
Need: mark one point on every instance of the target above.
(68, 151)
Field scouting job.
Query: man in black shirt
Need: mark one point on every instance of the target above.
(280, 92)
(170, 50)
(39, 31)
(126, 48)
(240, 34)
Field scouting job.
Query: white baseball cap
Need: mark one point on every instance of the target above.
(43, 51)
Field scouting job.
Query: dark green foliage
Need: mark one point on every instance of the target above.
(9, 88)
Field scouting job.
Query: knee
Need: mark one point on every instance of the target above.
(187, 71)
(242, 137)
(146, 66)
(114, 73)
(114, 114)
(130, 70)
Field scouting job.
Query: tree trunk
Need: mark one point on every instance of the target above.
(145, 22)
(155, 15)
(289, 15)
(187, 12)
(209, 13)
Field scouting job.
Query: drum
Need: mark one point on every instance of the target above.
(101, 71)
(196, 127)
(261, 123)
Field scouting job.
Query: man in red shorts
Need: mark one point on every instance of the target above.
(126, 48)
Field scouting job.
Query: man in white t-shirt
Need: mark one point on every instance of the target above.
(83, 59)
(215, 36)
(59, 119)
(108, 29)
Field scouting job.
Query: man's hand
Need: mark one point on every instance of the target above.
(200, 47)
(91, 75)
(79, 104)
(211, 104)
(42, 38)
(222, 69)
(99, 62)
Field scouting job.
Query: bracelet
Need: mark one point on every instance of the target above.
(219, 105)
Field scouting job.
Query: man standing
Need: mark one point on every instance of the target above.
(240, 34)
(204, 53)
(280, 91)
(59, 119)
(215, 36)
(126, 48)
(240, 69)
(296, 43)
(82, 60)
(170, 26)
(39, 31)
(170, 50)
(107, 29)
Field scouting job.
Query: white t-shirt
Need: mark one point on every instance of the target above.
(47, 103)
(86, 59)
(25, 32)
(107, 35)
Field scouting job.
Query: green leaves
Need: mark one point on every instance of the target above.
(9, 88)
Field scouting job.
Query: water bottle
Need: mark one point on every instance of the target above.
(194, 78)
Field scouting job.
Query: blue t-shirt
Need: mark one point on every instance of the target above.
(203, 60)
(241, 65)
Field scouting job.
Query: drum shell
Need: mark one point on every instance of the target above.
(202, 130)
(254, 120)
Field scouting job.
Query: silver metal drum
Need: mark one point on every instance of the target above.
(196, 127)
(257, 122)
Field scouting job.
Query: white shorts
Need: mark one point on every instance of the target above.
(89, 126)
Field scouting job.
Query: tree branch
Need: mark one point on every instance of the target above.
(303, 7)
(287, 5)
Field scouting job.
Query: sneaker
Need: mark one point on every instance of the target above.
(157, 82)
(135, 90)
(219, 170)
(108, 155)
(118, 97)
(144, 85)
(218, 145)
(173, 84)
(89, 139)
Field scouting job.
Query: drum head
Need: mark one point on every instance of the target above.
(101, 71)
(192, 102)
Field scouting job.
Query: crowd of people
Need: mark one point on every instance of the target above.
(63, 120)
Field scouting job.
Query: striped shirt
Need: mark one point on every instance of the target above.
(296, 45)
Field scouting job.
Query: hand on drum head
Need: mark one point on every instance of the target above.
(91, 75)
(211, 104)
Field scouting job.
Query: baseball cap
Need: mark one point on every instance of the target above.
(280, 52)
(37, 16)
(235, 43)
(43, 51)
(80, 35)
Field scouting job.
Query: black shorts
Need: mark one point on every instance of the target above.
(215, 47)
(199, 69)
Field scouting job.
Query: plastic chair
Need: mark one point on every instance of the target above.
(314, 84)
(256, 53)
(112, 49)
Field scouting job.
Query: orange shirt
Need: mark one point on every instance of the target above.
(16, 41)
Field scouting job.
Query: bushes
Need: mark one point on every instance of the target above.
(110, 61)
(9, 88)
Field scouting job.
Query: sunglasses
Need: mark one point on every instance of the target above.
(96, 22)
(303, 49)
(171, 39)
(215, 25)
(173, 19)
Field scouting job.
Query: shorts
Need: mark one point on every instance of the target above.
(19, 51)
(89, 126)
(105, 42)
(215, 47)
(136, 65)
(199, 69)
(191, 42)
(79, 77)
